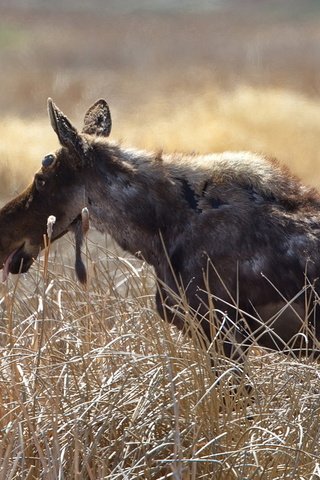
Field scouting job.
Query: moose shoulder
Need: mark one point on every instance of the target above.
(233, 230)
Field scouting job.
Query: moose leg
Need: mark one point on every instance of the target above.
(220, 332)
(235, 341)
(231, 340)
(170, 311)
(221, 335)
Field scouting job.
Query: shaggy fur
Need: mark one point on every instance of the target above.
(233, 230)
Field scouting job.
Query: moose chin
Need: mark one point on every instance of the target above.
(235, 231)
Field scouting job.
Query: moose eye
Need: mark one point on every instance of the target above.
(48, 160)
(40, 182)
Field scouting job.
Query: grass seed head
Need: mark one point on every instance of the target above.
(50, 222)
(85, 220)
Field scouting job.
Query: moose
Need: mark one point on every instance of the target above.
(233, 237)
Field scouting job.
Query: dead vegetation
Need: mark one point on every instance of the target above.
(94, 385)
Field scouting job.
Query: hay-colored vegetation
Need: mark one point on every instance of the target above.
(93, 384)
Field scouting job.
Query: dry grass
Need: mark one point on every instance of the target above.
(94, 385)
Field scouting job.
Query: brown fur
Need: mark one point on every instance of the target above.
(233, 230)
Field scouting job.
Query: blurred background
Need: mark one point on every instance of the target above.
(178, 75)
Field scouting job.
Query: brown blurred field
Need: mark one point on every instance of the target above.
(92, 384)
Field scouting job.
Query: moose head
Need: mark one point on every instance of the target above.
(57, 189)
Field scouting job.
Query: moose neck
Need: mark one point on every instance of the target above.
(129, 196)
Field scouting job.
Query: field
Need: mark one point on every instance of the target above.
(93, 385)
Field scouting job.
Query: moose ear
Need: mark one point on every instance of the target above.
(67, 134)
(97, 120)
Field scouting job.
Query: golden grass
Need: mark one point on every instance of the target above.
(279, 123)
(94, 385)
(22, 146)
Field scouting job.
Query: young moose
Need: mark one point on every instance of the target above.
(235, 232)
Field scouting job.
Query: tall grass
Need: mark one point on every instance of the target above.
(95, 385)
